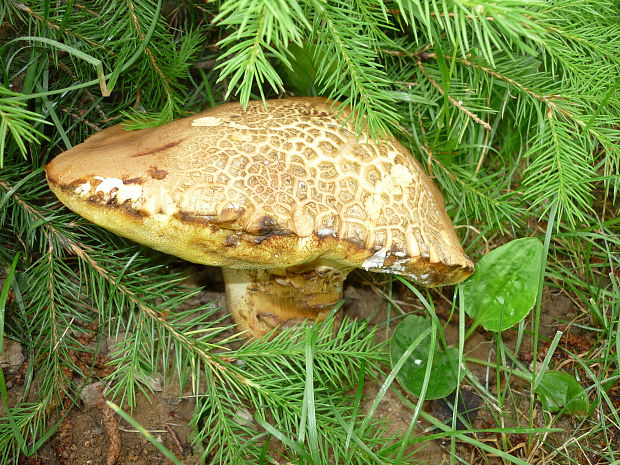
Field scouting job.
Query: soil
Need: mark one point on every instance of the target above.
(93, 434)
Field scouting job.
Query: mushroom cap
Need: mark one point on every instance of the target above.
(280, 184)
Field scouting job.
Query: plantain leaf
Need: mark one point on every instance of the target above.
(559, 390)
(503, 289)
(443, 378)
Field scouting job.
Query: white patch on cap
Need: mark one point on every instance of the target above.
(373, 206)
(423, 279)
(123, 191)
(107, 184)
(401, 175)
(207, 121)
(324, 232)
(394, 183)
(160, 205)
(398, 266)
(83, 189)
(234, 125)
(376, 260)
(392, 155)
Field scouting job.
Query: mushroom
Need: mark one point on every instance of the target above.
(284, 196)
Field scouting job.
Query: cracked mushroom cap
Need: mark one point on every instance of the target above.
(274, 186)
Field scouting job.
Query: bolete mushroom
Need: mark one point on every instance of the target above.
(283, 196)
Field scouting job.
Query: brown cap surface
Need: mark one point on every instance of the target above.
(275, 186)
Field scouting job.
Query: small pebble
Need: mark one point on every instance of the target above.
(91, 394)
(12, 355)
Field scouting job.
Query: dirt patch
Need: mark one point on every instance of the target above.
(85, 436)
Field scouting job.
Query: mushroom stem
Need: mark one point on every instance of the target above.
(261, 300)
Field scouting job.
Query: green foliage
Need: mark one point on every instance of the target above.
(511, 105)
(271, 374)
(560, 391)
(17, 122)
(262, 27)
(442, 365)
(504, 287)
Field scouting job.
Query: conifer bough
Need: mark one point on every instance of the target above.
(283, 196)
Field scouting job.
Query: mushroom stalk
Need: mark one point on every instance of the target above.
(261, 300)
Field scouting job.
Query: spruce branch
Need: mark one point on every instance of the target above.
(512, 104)
(457, 103)
(476, 25)
(345, 57)
(552, 101)
(482, 198)
(348, 67)
(27, 217)
(19, 123)
(167, 69)
(561, 162)
(581, 39)
(160, 61)
(262, 26)
(278, 365)
(48, 320)
(200, 348)
(44, 22)
(30, 419)
(547, 176)
(561, 167)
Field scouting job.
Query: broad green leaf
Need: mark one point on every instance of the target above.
(443, 378)
(503, 289)
(559, 390)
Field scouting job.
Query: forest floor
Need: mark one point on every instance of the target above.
(91, 434)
